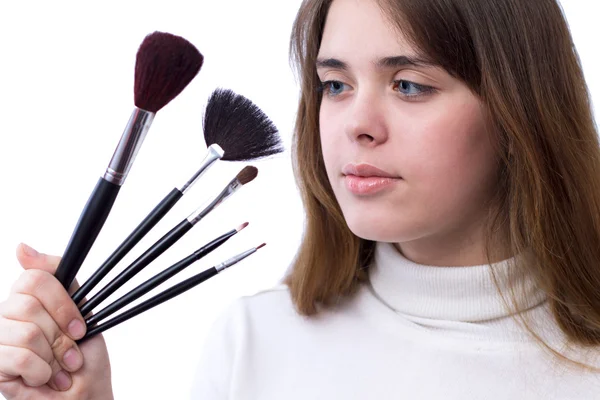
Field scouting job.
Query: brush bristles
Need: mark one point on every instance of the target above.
(242, 226)
(239, 127)
(262, 245)
(165, 65)
(247, 174)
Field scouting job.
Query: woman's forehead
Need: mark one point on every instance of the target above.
(359, 30)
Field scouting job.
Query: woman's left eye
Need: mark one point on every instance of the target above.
(411, 89)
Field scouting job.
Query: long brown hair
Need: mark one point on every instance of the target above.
(519, 58)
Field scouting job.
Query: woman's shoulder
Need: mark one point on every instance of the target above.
(272, 311)
(267, 307)
(245, 324)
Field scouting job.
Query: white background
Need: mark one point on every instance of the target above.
(66, 81)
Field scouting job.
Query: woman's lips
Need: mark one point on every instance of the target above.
(364, 179)
(366, 170)
(362, 185)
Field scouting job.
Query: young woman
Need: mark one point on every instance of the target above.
(450, 170)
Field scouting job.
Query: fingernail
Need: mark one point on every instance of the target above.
(62, 380)
(72, 359)
(76, 329)
(31, 252)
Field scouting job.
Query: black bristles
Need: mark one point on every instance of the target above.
(242, 129)
(247, 174)
(165, 65)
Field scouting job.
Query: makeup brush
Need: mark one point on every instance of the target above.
(165, 65)
(168, 294)
(156, 280)
(213, 153)
(240, 127)
(244, 176)
(233, 126)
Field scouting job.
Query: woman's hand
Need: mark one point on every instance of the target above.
(39, 324)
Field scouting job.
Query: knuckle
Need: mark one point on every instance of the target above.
(55, 367)
(23, 360)
(64, 310)
(30, 281)
(28, 305)
(61, 344)
(31, 333)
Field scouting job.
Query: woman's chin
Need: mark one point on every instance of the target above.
(369, 227)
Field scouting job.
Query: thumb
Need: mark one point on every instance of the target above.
(30, 258)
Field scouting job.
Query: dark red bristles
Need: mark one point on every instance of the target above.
(165, 65)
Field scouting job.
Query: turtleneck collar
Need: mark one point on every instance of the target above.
(465, 294)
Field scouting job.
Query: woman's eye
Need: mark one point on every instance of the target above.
(333, 88)
(412, 89)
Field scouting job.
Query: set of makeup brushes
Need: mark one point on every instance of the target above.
(234, 129)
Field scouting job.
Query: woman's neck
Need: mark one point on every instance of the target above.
(454, 248)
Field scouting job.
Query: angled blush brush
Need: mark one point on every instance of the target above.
(247, 174)
(163, 276)
(165, 65)
(168, 294)
(241, 128)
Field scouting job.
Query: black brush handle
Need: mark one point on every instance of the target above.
(87, 229)
(138, 234)
(158, 279)
(142, 261)
(152, 302)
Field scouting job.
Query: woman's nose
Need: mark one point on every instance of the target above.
(365, 122)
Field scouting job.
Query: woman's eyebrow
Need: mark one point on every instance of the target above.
(403, 61)
(382, 63)
(331, 63)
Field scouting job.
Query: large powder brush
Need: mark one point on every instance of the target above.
(235, 129)
(165, 65)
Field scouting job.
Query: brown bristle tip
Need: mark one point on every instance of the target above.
(242, 226)
(247, 174)
(262, 245)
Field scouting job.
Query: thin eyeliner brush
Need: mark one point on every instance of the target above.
(244, 176)
(168, 294)
(165, 65)
(213, 154)
(156, 280)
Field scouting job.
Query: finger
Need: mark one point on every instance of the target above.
(27, 335)
(15, 390)
(30, 258)
(54, 299)
(17, 361)
(28, 309)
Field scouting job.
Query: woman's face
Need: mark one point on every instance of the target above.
(405, 145)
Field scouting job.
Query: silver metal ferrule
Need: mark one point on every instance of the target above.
(201, 212)
(213, 153)
(129, 145)
(234, 260)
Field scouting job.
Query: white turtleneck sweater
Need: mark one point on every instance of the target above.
(414, 332)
